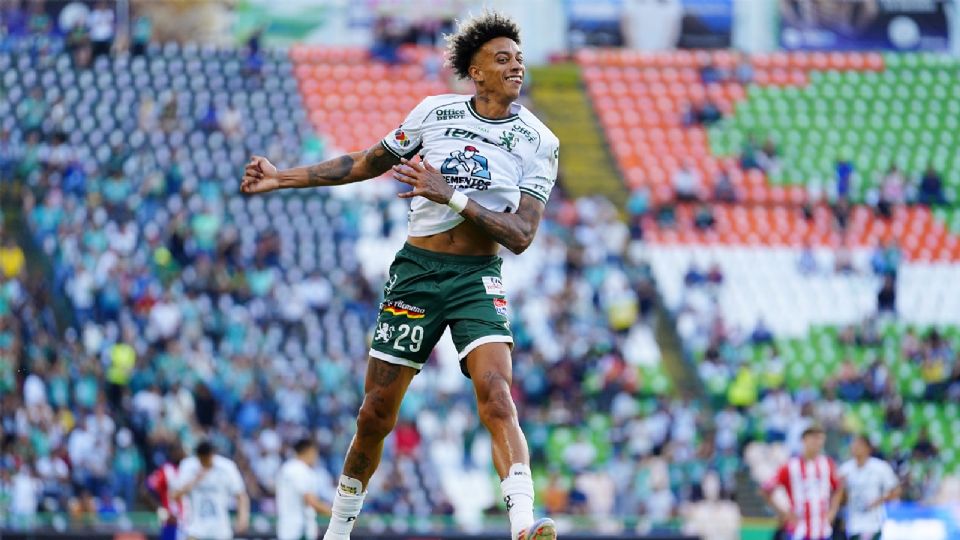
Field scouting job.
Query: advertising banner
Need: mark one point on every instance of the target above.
(900, 25)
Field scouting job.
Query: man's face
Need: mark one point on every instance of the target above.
(206, 461)
(498, 67)
(813, 443)
(309, 456)
(859, 449)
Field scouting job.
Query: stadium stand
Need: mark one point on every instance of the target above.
(193, 311)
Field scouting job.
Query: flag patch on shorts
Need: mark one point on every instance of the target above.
(500, 304)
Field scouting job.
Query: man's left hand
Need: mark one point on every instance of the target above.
(426, 181)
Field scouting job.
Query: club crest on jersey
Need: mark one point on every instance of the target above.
(401, 138)
(399, 308)
(467, 169)
(508, 140)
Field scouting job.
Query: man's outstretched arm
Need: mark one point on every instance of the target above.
(261, 176)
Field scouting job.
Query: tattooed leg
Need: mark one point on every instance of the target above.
(383, 391)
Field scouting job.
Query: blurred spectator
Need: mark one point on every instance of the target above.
(723, 188)
(808, 261)
(844, 179)
(744, 72)
(885, 259)
(761, 334)
(78, 44)
(710, 73)
(709, 113)
(686, 183)
(12, 259)
(843, 260)
(768, 159)
(849, 382)
(140, 35)
(887, 297)
(38, 21)
(688, 115)
(930, 191)
(102, 29)
(891, 192)
(386, 40)
(893, 414)
(703, 219)
(841, 213)
(556, 495)
(748, 154)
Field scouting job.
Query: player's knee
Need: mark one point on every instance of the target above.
(376, 419)
(498, 406)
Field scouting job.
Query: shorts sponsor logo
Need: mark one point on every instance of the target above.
(391, 283)
(384, 333)
(401, 138)
(500, 304)
(450, 114)
(493, 285)
(399, 308)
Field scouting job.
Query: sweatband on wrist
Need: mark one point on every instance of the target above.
(458, 201)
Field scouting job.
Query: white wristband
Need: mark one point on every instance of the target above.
(458, 201)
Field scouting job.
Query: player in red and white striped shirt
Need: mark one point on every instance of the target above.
(811, 483)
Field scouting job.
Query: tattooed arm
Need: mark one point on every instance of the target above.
(513, 231)
(261, 176)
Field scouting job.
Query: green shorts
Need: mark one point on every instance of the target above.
(428, 291)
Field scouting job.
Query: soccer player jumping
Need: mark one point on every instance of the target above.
(486, 169)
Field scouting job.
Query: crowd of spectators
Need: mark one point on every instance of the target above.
(184, 318)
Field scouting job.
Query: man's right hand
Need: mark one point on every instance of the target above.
(260, 176)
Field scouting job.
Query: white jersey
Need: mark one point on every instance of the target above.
(295, 518)
(491, 161)
(865, 485)
(208, 503)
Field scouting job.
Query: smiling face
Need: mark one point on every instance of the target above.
(497, 68)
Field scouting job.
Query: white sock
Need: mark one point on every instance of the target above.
(517, 490)
(346, 507)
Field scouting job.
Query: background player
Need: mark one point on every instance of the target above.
(448, 273)
(297, 501)
(161, 483)
(209, 482)
(869, 483)
(812, 487)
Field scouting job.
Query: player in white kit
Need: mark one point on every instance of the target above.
(297, 501)
(869, 483)
(208, 483)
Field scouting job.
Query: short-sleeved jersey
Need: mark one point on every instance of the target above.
(208, 503)
(296, 519)
(809, 485)
(162, 482)
(490, 161)
(866, 485)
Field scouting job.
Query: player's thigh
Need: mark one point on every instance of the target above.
(385, 384)
(411, 318)
(478, 316)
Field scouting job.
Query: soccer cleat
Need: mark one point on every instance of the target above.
(542, 529)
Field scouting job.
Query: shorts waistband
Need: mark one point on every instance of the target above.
(449, 258)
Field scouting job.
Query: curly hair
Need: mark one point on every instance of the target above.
(472, 34)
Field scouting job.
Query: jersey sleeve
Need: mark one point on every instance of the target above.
(540, 174)
(888, 478)
(407, 139)
(156, 481)
(781, 479)
(235, 481)
(834, 477)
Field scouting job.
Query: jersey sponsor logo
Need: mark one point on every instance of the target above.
(493, 285)
(458, 133)
(384, 333)
(525, 133)
(399, 308)
(500, 304)
(467, 169)
(401, 138)
(450, 114)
